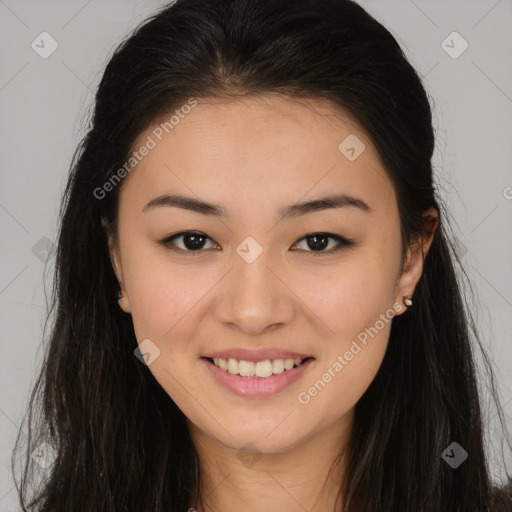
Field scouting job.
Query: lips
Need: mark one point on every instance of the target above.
(256, 386)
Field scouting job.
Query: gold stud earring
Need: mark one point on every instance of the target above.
(407, 300)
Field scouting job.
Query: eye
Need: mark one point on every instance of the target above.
(319, 241)
(194, 241)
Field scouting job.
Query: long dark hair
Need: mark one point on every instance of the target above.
(119, 441)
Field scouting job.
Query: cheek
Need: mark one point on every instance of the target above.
(163, 297)
(343, 380)
(351, 299)
(357, 306)
(359, 315)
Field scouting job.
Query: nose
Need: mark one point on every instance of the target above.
(255, 297)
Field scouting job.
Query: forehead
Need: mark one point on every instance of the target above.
(269, 143)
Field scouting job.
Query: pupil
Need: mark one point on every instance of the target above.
(317, 245)
(191, 241)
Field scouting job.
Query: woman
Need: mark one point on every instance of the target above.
(256, 299)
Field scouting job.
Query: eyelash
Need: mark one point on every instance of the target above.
(343, 242)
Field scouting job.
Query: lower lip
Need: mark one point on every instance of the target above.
(256, 387)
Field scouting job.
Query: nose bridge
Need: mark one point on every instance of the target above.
(254, 298)
(254, 283)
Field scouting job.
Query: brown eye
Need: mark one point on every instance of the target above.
(317, 242)
(195, 241)
(192, 241)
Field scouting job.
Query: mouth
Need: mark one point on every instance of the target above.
(257, 369)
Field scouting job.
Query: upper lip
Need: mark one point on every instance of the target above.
(255, 354)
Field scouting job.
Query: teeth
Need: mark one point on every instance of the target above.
(232, 366)
(277, 366)
(260, 369)
(263, 368)
(288, 364)
(245, 368)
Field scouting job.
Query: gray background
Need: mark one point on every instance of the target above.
(43, 103)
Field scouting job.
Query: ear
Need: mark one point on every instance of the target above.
(415, 257)
(115, 259)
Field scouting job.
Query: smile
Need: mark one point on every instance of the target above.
(256, 379)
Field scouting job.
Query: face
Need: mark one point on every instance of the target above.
(251, 279)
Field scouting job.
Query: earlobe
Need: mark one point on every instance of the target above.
(122, 299)
(415, 259)
(410, 275)
(124, 303)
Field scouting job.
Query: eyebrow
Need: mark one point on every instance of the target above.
(294, 210)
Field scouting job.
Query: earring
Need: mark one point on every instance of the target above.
(407, 300)
(119, 294)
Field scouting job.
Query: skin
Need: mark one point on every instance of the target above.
(254, 156)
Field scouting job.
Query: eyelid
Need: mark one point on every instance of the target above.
(343, 242)
(167, 242)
